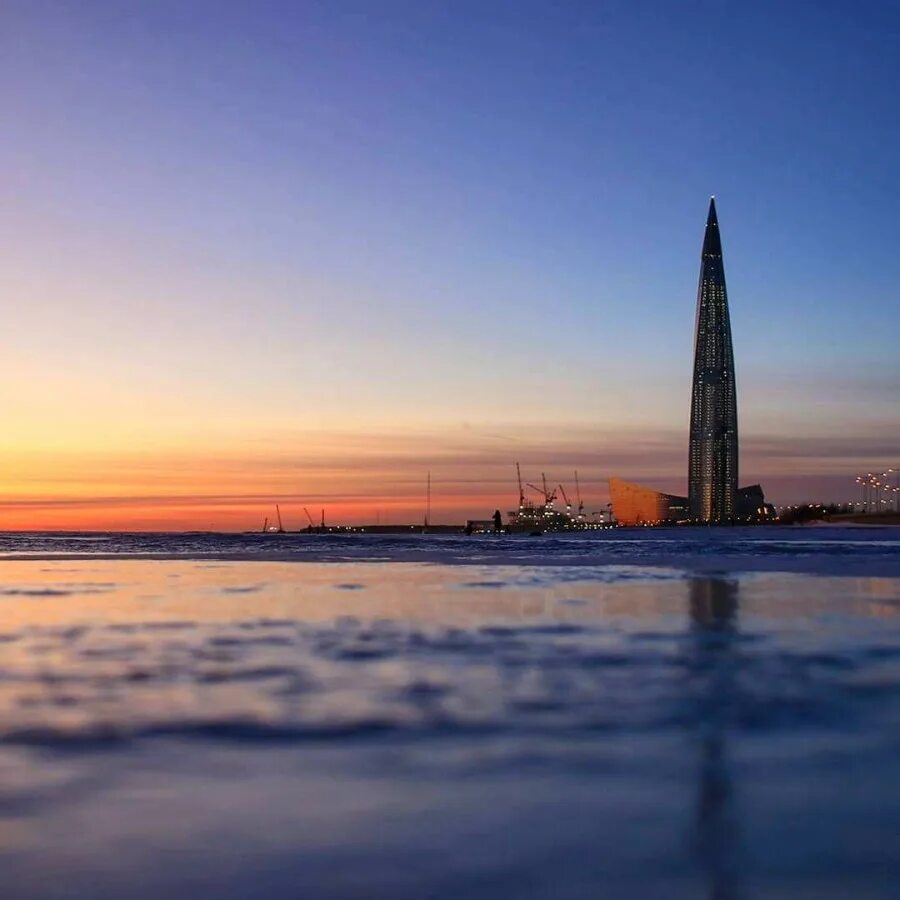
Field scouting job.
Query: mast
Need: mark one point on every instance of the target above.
(521, 491)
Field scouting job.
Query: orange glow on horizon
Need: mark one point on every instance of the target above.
(199, 515)
(361, 477)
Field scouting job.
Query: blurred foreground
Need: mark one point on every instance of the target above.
(190, 728)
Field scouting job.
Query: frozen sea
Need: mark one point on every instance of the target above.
(637, 713)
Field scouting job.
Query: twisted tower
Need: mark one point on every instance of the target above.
(713, 452)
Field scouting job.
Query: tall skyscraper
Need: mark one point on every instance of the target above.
(713, 453)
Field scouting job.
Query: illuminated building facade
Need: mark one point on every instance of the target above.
(713, 449)
(634, 504)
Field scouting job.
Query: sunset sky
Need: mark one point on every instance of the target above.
(306, 252)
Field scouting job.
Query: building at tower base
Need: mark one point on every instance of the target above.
(634, 504)
(750, 505)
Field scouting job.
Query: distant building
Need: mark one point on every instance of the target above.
(634, 504)
(713, 449)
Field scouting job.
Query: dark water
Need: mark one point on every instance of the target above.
(202, 726)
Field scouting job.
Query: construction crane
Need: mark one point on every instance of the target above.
(578, 496)
(549, 496)
(278, 513)
(265, 525)
(562, 490)
(308, 516)
(521, 491)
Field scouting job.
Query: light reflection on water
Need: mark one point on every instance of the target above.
(412, 730)
(714, 620)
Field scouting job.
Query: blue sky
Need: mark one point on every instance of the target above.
(302, 218)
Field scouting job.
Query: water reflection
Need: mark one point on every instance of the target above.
(713, 609)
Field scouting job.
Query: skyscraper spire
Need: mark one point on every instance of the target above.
(713, 451)
(712, 242)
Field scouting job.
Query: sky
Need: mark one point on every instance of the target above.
(307, 252)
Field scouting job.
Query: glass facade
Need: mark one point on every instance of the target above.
(713, 452)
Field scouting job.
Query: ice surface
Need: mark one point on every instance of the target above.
(204, 727)
(820, 550)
